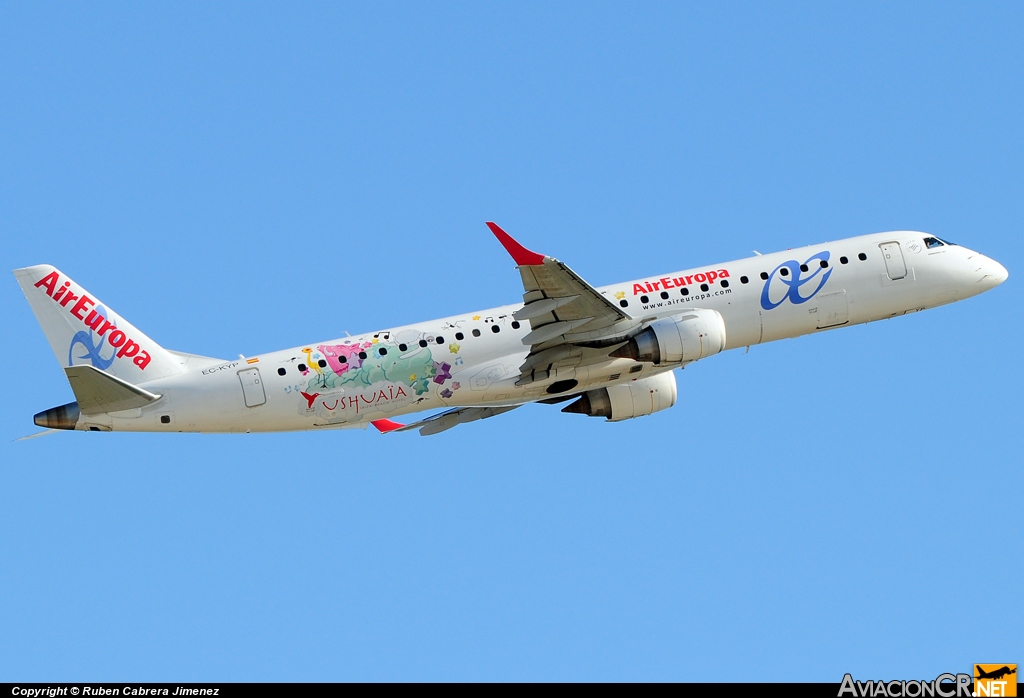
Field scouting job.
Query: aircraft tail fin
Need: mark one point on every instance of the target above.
(84, 332)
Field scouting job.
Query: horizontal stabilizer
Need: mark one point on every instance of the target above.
(38, 434)
(98, 392)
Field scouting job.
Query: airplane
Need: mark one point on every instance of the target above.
(610, 350)
(996, 673)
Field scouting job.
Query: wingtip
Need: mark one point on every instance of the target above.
(520, 255)
(386, 425)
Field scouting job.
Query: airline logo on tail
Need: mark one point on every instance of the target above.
(95, 319)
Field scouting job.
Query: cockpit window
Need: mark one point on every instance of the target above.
(947, 242)
(933, 242)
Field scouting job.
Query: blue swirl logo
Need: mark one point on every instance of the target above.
(88, 342)
(793, 281)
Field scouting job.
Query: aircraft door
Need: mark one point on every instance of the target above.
(894, 262)
(252, 387)
(833, 309)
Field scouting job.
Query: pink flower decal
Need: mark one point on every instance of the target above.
(334, 353)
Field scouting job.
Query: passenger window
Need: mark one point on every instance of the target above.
(844, 260)
(342, 360)
(824, 264)
(744, 280)
(383, 351)
(281, 372)
(459, 336)
(476, 333)
(403, 347)
(703, 287)
(664, 295)
(764, 276)
(495, 329)
(322, 363)
(862, 256)
(302, 368)
(803, 267)
(645, 299)
(784, 271)
(423, 343)
(440, 340)
(685, 291)
(932, 242)
(516, 325)
(623, 303)
(725, 283)
(362, 355)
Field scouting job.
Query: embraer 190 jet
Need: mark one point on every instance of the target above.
(610, 350)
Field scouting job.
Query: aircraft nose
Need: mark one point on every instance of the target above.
(993, 273)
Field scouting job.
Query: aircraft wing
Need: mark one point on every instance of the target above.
(571, 324)
(558, 302)
(561, 308)
(443, 421)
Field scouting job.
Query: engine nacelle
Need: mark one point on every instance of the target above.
(692, 335)
(633, 399)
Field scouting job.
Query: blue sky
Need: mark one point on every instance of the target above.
(243, 178)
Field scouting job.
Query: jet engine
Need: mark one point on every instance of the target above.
(633, 399)
(681, 338)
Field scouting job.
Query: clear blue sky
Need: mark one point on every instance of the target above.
(244, 178)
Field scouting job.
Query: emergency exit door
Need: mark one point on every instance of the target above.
(894, 262)
(252, 387)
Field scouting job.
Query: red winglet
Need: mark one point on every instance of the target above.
(386, 425)
(520, 254)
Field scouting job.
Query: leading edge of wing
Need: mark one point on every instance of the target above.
(520, 255)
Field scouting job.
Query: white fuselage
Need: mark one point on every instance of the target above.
(474, 358)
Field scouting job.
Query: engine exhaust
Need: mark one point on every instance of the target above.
(641, 347)
(593, 403)
(63, 417)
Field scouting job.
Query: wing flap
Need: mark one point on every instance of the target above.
(551, 330)
(541, 306)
